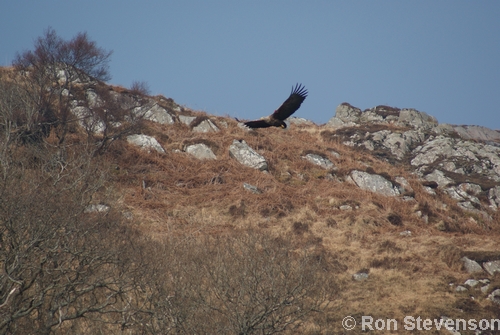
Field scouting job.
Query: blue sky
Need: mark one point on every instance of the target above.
(241, 58)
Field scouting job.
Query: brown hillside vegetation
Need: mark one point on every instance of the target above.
(187, 218)
(98, 236)
(176, 194)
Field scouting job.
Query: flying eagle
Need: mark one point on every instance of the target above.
(299, 93)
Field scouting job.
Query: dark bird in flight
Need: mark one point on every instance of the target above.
(299, 93)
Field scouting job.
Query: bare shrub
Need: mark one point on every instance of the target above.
(450, 255)
(238, 284)
(140, 88)
(389, 263)
(18, 114)
(58, 263)
(300, 228)
(395, 219)
(389, 246)
(238, 211)
(330, 222)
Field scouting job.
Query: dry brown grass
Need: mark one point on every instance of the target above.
(176, 194)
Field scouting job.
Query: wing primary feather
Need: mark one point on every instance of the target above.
(297, 96)
(300, 90)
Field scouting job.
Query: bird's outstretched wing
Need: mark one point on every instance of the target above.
(298, 95)
(257, 124)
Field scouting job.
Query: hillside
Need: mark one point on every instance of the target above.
(410, 242)
(384, 202)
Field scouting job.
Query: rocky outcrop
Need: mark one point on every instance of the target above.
(458, 156)
(416, 119)
(398, 143)
(463, 161)
(477, 133)
(345, 116)
(466, 170)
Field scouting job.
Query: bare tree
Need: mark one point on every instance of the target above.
(50, 74)
(62, 82)
(57, 262)
(15, 110)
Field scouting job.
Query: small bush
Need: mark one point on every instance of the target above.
(395, 219)
(300, 228)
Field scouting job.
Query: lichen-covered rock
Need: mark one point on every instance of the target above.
(492, 267)
(244, 154)
(370, 116)
(403, 186)
(345, 116)
(348, 113)
(154, 113)
(465, 193)
(494, 197)
(99, 208)
(200, 151)
(186, 119)
(439, 177)
(320, 161)
(417, 119)
(374, 183)
(495, 296)
(252, 188)
(477, 133)
(300, 121)
(205, 126)
(145, 142)
(432, 150)
(360, 276)
(459, 156)
(471, 266)
(398, 143)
